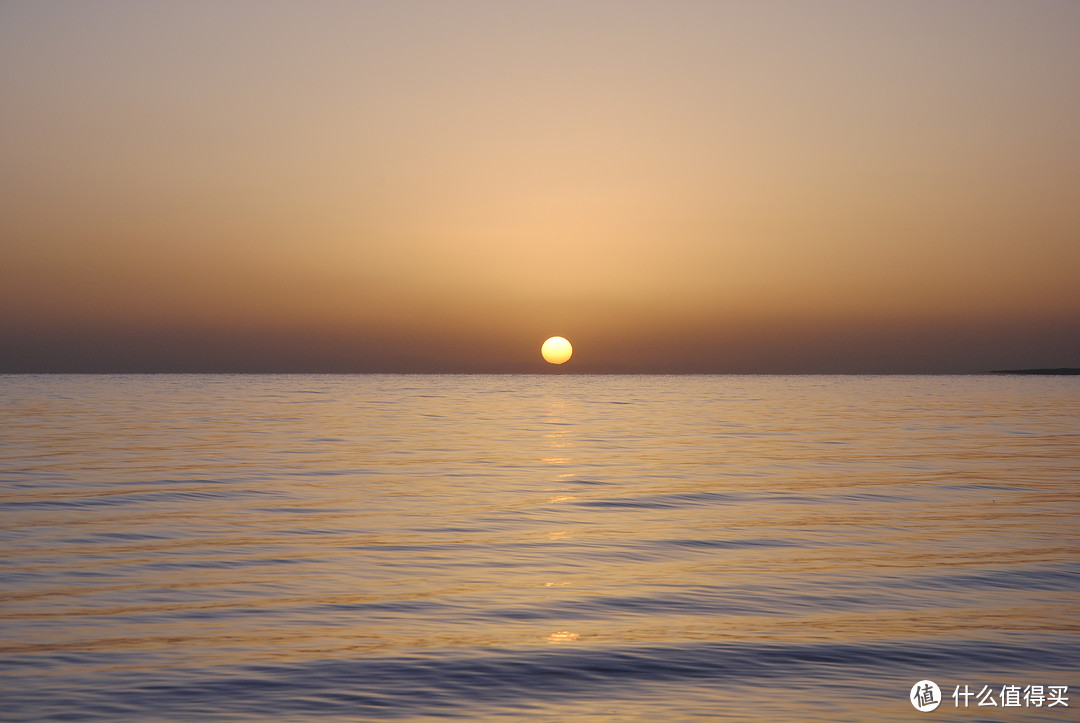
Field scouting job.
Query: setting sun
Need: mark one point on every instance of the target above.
(556, 350)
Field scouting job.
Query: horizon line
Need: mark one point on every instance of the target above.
(1055, 371)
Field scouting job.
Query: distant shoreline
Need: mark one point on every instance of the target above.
(1061, 371)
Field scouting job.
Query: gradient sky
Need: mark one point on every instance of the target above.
(439, 186)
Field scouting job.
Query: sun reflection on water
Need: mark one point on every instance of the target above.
(562, 636)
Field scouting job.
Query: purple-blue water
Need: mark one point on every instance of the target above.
(542, 548)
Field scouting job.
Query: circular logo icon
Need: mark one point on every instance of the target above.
(925, 696)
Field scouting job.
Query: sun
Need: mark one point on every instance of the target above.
(556, 350)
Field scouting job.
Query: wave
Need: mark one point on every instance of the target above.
(407, 686)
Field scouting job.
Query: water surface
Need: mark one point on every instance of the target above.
(592, 548)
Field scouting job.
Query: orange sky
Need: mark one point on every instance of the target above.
(430, 186)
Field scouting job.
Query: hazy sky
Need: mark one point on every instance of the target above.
(439, 186)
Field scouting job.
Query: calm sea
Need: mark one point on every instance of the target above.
(541, 548)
